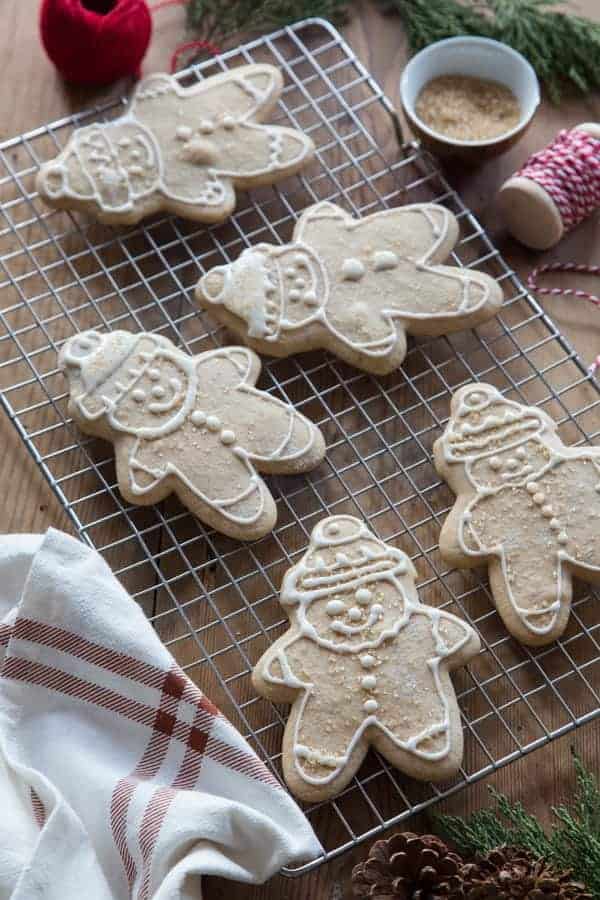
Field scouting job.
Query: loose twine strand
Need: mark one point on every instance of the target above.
(188, 45)
(569, 171)
(532, 284)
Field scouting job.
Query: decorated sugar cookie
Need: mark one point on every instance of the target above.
(352, 286)
(192, 425)
(363, 663)
(179, 149)
(526, 505)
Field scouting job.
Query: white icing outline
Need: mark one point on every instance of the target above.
(219, 181)
(518, 479)
(294, 594)
(394, 318)
(239, 357)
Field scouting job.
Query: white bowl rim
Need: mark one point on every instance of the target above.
(471, 39)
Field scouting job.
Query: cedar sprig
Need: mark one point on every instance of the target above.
(573, 842)
(220, 20)
(562, 48)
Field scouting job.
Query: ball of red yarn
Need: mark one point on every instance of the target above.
(95, 41)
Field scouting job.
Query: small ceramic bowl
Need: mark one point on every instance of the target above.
(480, 58)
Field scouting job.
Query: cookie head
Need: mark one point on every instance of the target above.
(350, 589)
(268, 288)
(140, 382)
(485, 424)
(111, 165)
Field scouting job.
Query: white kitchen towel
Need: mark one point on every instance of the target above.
(118, 777)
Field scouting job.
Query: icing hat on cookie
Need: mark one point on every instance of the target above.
(484, 422)
(343, 554)
(267, 286)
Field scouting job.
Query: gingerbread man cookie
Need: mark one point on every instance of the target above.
(180, 149)
(352, 286)
(364, 663)
(526, 505)
(194, 425)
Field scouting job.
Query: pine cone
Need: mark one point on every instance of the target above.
(511, 874)
(408, 867)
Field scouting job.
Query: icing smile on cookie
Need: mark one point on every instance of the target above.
(354, 614)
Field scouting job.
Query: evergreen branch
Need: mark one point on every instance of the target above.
(573, 843)
(508, 824)
(217, 21)
(563, 49)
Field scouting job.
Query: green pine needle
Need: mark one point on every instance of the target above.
(218, 21)
(573, 843)
(562, 48)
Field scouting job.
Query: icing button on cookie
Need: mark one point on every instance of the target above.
(370, 706)
(367, 661)
(547, 511)
(138, 395)
(198, 418)
(369, 682)
(363, 595)
(213, 423)
(227, 436)
(384, 259)
(352, 269)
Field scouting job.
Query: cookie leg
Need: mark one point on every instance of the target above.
(533, 596)
(321, 752)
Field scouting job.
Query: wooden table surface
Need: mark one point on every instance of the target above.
(31, 93)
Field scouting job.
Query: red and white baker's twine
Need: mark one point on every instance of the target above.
(189, 45)
(532, 284)
(569, 170)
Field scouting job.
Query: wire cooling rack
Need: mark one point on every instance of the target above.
(213, 600)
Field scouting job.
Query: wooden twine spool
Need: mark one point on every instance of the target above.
(529, 211)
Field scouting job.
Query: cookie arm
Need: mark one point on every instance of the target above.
(289, 442)
(273, 675)
(136, 474)
(456, 641)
